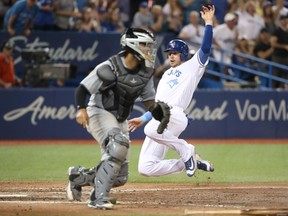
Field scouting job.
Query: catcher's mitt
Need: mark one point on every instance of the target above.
(161, 112)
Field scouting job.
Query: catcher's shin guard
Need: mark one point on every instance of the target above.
(108, 170)
(122, 177)
(78, 177)
(106, 174)
(120, 180)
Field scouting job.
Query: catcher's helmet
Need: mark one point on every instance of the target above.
(178, 46)
(141, 43)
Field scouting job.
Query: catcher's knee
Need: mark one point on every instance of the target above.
(117, 145)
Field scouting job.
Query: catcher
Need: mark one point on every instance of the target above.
(176, 89)
(113, 87)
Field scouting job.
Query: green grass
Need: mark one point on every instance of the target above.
(233, 163)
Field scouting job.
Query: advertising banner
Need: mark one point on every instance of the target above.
(49, 113)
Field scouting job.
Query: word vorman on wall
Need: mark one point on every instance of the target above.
(246, 111)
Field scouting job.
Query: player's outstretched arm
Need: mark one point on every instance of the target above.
(207, 15)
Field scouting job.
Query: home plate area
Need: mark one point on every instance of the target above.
(44, 198)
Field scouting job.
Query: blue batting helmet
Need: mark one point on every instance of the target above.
(178, 46)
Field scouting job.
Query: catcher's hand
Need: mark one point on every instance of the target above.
(82, 117)
(161, 112)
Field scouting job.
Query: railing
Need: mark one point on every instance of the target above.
(261, 68)
(65, 47)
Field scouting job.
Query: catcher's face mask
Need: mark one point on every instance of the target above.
(149, 52)
(142, 44)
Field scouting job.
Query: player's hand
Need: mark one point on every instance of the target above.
(207, 14)
(134, 123)
(82, 117)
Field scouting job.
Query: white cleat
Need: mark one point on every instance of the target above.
(191, 166)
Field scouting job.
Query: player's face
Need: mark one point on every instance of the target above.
(174, 58)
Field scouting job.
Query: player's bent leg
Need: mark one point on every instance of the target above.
(78, 177)
(155, 168)
(109, 169)
(144, 168)
(151, 160)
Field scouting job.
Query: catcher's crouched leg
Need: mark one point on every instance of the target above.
(108, 170)
(120, 180)
(78, 177)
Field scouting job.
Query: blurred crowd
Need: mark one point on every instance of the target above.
(23, 16)
(252, 27)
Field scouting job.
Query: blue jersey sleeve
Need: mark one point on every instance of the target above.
(204, 51)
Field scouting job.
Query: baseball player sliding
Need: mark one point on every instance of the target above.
(176, 89)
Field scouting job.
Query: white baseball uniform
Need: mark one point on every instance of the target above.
(176, 88)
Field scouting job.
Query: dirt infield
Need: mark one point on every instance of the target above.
(32, 198)
(35, 198)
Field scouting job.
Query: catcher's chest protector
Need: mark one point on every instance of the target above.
(128, 88)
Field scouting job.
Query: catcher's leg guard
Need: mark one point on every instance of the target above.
(108, 170)
(78, 177)
(122, 177)
(120, 180)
